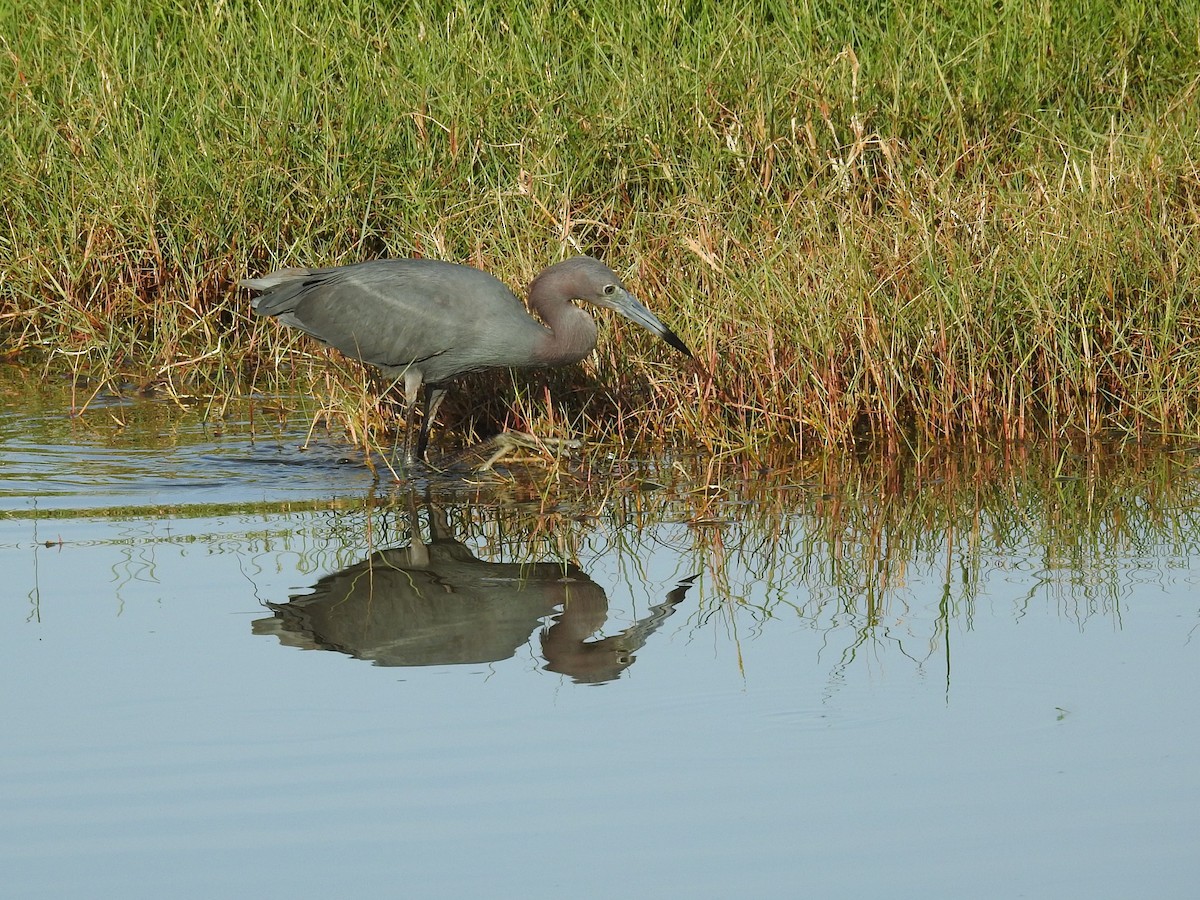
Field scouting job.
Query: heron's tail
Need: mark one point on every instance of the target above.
(276, 279)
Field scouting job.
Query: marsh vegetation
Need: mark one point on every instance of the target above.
(930, 222)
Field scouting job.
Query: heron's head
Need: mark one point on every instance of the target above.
(587, 279)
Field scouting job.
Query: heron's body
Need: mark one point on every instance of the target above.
(427, 322)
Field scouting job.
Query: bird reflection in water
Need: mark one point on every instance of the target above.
(436, 604)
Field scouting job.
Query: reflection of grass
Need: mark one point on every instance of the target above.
(867, 538)
(930, 220)
(879, 554)
(851, 527)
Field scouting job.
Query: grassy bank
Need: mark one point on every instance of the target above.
(940, 220)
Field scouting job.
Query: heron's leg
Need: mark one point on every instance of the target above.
(412, 386)
(434, 394)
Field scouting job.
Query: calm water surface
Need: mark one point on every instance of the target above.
(234, 668)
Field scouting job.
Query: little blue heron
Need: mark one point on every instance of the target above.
(427, 322)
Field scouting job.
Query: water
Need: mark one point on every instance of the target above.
(970, 677)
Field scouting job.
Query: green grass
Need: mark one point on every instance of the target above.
(933, 221)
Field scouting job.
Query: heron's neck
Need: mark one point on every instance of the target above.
(572, 331)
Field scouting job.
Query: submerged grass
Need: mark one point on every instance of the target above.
(919, 222)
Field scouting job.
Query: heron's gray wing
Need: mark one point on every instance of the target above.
(442, 317)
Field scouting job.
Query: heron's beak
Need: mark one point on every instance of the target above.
(631, 308)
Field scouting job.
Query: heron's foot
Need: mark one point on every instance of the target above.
(483, 456)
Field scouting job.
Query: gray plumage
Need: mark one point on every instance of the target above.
(427, 322)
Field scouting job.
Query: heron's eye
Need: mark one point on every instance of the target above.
(609, 290)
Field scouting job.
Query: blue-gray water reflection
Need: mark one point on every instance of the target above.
(966, 677)
(434, 603)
